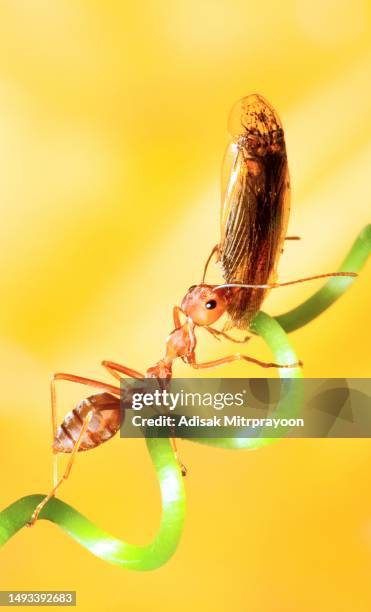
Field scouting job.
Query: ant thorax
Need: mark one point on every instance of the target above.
(162, 369)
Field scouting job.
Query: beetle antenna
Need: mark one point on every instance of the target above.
(274, 285)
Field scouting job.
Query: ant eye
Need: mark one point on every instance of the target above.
(211, 304)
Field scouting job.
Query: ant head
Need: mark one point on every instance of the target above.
(204, 305)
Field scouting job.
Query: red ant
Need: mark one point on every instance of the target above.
(255, 208)
(97, 418)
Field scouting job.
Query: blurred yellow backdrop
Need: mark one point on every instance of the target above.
(112, 130)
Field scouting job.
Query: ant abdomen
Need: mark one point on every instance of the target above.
(104, 423)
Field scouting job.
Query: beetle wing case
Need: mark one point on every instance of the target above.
(255, 204)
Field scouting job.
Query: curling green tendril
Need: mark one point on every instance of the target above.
(157, 552)
(333, 289)
(101, 543)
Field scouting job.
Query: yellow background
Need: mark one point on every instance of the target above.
(112, 130)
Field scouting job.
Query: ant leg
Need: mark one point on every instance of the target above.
(114, 369)
(292, 238)
(53, 402)
(89, 382)
(66, 473)
(182, 467)
(237, 357)
(215, 250)
(176, 317)
(83, 381)
(216, 333)
(76, 379)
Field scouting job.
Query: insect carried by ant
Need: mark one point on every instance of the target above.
(255, 210)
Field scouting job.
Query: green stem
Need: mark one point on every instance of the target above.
(273, 332)
(102, 544)
(157, 552)
(292, 390)
(333, 289)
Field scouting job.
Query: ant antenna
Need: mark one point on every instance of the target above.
(274, 285)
